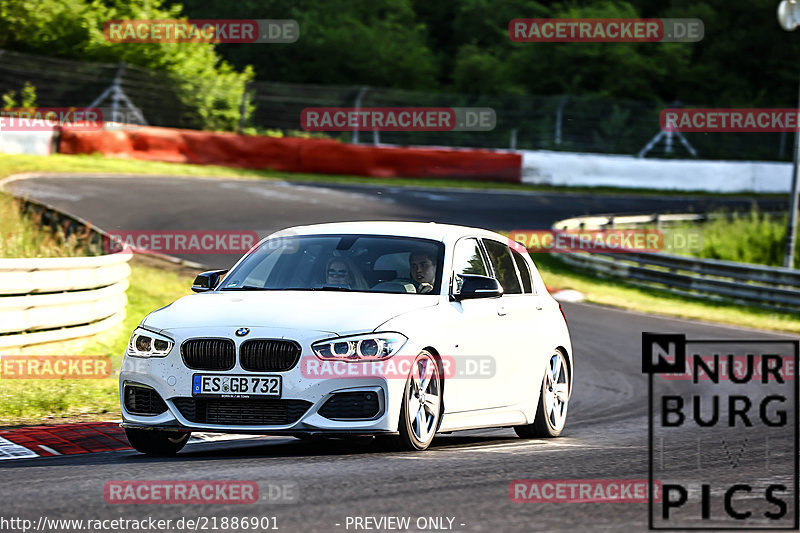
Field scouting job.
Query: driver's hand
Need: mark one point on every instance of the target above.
(425, 288)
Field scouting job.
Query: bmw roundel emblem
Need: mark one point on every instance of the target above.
(241, 332)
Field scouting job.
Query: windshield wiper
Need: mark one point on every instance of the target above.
(247, 288)
(321, 288)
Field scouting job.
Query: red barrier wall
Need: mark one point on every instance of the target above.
(318, 156)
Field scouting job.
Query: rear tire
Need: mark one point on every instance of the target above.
(422, 404)
(157, 442)
(551, 413)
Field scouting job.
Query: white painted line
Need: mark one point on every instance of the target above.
(10, 450)
(48, 449)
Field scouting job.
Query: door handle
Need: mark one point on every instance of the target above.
(538, 307)
(501, 310)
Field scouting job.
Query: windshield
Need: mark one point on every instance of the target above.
(361, 263)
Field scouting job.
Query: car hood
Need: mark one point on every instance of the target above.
(340, 313)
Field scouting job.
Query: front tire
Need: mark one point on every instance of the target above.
(157, 442)
(551, 413)
(422, 404)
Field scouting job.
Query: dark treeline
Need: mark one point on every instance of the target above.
(745, 59)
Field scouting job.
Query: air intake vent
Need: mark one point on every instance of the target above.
(270, 412)
(209, 354)
(351, 406)
(269, 355)
(143, 401)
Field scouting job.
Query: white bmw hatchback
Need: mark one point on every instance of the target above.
(350, 329)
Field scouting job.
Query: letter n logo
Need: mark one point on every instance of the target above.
(663, 353)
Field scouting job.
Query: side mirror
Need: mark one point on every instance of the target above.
(475, 286)
(206, 281)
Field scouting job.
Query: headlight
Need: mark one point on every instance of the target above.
(145, 343)
(360, 347)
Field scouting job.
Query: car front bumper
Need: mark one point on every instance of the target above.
(171, 379)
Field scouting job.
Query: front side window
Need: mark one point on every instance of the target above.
(467, 259)
(504, 269)
(362, 263)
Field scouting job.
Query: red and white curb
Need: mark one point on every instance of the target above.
(73, 439)
(65, 439)
(566, 295)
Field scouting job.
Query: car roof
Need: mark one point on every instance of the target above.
(424, 230)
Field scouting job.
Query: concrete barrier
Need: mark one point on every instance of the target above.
(570, 169)
(50, 299)
(27, 142)
(322, 156)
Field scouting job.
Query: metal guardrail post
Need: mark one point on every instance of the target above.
(357, 106)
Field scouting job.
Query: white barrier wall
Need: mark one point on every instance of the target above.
(565, 168)
(57, 298)
(26, 142)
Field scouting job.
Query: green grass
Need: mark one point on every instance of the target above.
(24, 236)
(616, 293)
(751, 237)
(29, 401)
(97, 164)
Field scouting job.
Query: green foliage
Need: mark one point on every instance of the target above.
(27, 97)
(341, 42)
(209, 86)
(752, 237)
(463, 46)
(745, 59)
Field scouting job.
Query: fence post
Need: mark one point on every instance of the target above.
(357, 106)
(243, 107)
(559, 118)
(115, 98)
(513, 139)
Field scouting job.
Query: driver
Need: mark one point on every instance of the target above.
(423, 271)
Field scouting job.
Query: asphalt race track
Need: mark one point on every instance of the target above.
(162, 203)
(464, 476)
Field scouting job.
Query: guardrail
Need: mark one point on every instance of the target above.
(54, 299)
(774, 288)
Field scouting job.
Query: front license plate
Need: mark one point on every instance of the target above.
(225, 386)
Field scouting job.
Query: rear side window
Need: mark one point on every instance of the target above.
(524, 271)
(505, 271)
